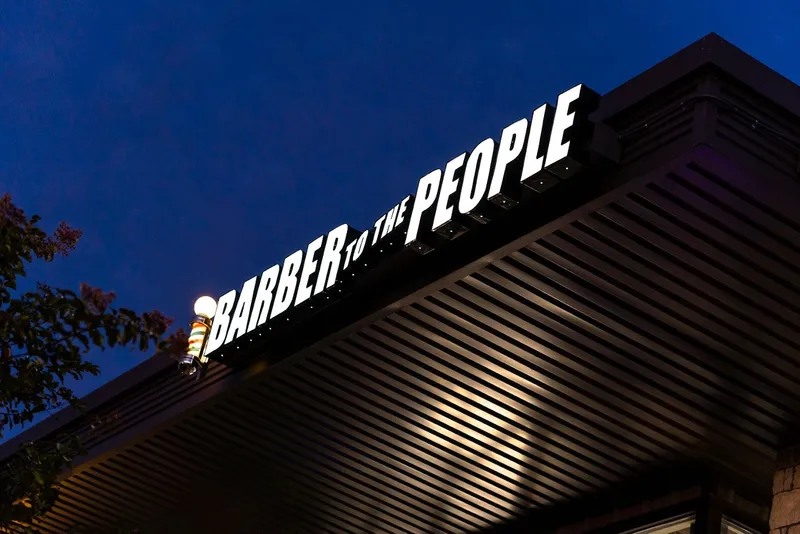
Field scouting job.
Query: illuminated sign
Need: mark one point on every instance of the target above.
(533, 153)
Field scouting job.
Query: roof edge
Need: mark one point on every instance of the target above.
(708, 50)
(97, 398)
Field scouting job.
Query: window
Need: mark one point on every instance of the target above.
(676, 525)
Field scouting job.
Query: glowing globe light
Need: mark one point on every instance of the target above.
(205, 306)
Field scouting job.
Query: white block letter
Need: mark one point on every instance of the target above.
(425, 197)
(533, 161)
(266, 287)
(348, 253)
(360, 244)
(222, 319)
(559, 149)
(402, 213)
(511, 144)
(287, 284)
(444, 212)
(309, 268)
(331, 258)
(389, 224)
(476, 176)
(242, 313)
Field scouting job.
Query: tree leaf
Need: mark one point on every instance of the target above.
(48, 333)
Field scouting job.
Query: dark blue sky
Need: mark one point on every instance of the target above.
(198, 142)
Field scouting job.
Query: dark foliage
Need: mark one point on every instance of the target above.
(45, 335)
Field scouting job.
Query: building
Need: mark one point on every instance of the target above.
(616, 353)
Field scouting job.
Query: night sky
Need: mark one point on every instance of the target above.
(199, 142)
